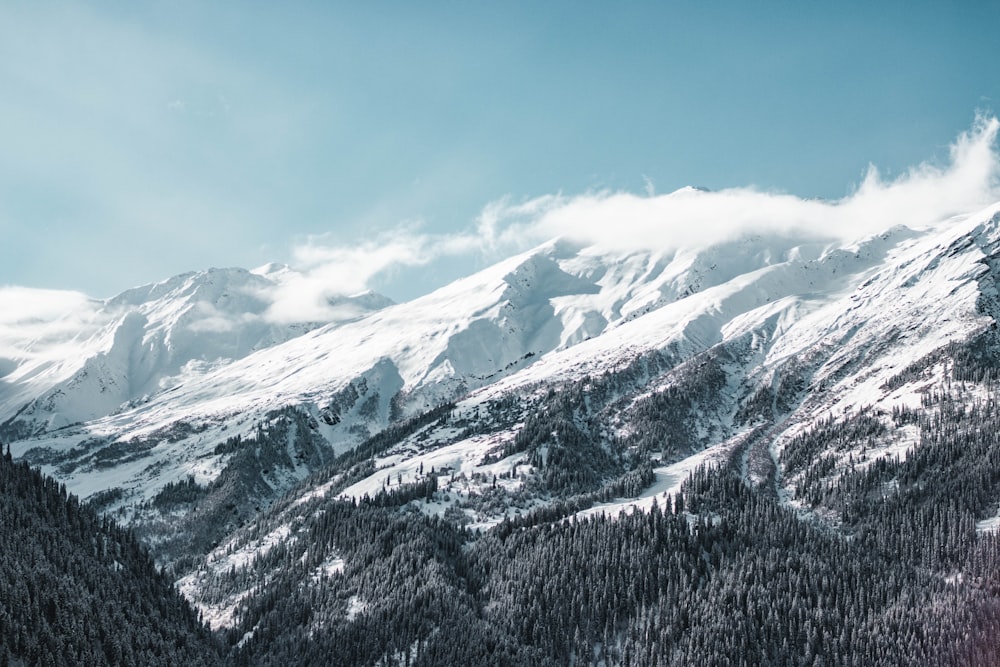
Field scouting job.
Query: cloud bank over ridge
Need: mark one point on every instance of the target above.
(924, 195)
(327, 269)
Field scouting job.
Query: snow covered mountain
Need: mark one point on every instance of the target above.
(195, 349)
(850, 384)
(565, 370)
(142, 342)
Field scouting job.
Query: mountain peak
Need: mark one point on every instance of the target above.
(200, 350)
(273, 270)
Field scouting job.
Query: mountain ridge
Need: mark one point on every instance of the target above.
(828, 402)
(767, 309)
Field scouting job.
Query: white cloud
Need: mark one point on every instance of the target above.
(924, 195)
(32, 321)
(26, 304)
(327, 271)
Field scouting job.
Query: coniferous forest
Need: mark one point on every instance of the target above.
(875, 561)
(75, 589)
(724, 576)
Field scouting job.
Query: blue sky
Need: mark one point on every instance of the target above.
(140, 142)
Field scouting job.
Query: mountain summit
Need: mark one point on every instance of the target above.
(184, 365)
(771, 384)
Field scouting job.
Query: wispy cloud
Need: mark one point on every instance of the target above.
(25, 304)
(924, 195)
(327, 270)
(33, 321)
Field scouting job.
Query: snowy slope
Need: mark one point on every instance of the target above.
(821, 335)
(174, 371)
(488, 326)
(142, 342)
(184, 350)
(835, 328)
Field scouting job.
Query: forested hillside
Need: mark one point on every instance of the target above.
(738, 581)
(879, 563)
(570, 458)
(75, 589)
